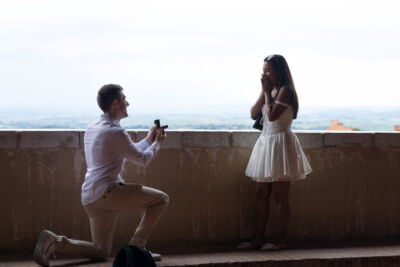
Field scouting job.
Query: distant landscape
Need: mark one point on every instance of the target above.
(362, 119)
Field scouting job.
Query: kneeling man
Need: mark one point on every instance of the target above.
(104, 192)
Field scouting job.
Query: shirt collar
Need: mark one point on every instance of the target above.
(108, 118)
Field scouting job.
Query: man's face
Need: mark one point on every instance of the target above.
(122, 105)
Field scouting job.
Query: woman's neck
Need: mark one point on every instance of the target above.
(276, 86)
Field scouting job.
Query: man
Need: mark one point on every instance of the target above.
(104, 192)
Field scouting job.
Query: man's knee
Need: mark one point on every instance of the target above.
(102, 253)
(158, 197)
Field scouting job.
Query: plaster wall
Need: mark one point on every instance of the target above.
(352, 193)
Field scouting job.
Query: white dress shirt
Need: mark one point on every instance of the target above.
(107, 147)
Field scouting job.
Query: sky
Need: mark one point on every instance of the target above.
(182, 56)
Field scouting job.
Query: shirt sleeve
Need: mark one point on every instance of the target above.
(122, 143)
(143, 144)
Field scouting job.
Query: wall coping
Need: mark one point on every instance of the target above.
(179, 139)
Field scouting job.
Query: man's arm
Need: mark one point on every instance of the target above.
(146, 142)
(143, 144)
(123, 144)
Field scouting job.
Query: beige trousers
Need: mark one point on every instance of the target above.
(103, 215)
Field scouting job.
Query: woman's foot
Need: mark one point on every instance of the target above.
(247, 246)
(273, 247)
(255, 244)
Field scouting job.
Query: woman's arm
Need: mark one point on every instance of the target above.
(281, 104)
(256, 108)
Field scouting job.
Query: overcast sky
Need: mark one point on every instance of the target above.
(179, 56)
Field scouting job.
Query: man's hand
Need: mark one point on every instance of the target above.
(161, 135)
(151, 135)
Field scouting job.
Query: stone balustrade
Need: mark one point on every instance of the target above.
(353, 192)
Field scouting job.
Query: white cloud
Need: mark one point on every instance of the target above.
(186, 53)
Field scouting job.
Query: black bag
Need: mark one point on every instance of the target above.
(258, 124)
(132, 256)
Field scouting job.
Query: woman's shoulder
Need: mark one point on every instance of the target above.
(284, 89)
(283, 93)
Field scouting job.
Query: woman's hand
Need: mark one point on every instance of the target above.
(266, 84)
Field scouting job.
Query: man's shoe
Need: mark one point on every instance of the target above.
(45, 247)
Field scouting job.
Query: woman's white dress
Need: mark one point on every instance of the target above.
(277, 154)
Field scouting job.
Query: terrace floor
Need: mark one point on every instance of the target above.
(370, 255)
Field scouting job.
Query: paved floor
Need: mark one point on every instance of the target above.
(349, 256)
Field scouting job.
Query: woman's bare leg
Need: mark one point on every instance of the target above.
(280, 192)
(263, 192)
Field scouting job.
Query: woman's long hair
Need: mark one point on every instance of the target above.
(279, 64)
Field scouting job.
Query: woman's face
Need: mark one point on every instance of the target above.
(272, 74)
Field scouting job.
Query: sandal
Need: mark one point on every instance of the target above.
(273, 247)
(247, 246)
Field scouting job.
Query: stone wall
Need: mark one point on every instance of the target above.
(352, 193)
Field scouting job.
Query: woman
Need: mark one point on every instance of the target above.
(277, 157)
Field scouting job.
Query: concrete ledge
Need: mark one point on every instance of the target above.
(348, 139)
(245, 139)
(8, 140)
(48, 139)
(134, 136)
(309, 140)
(206, 139)
(388, 139)
(174, 141)
(81, 139)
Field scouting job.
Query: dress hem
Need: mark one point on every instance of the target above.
(278, 179)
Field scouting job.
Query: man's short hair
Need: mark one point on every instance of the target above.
(107, 94)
